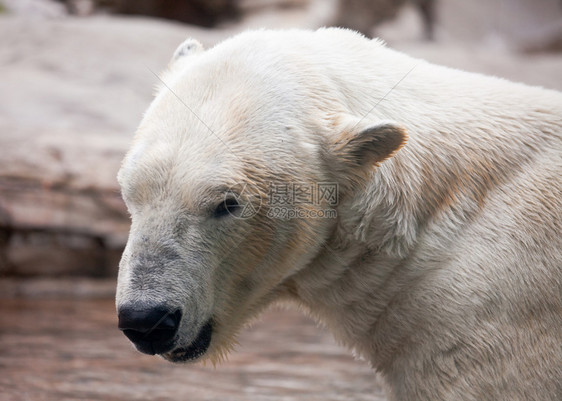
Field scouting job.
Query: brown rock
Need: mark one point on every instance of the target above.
(56, 349)
(197, 12)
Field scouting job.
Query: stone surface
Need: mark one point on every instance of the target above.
(72, 92)
(34, 8)
(62, 349)
(206, 13)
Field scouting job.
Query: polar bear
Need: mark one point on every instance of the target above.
(426, 206)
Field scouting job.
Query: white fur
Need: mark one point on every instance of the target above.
(444, 266)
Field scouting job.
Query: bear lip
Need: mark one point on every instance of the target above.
(196, 349)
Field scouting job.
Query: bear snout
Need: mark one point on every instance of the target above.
(151, 328)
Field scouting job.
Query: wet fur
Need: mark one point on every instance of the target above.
(444, 266)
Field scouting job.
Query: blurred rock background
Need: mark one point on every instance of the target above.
(75, 78)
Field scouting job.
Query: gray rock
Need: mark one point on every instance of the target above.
(73, 91)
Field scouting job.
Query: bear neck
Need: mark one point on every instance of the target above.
(418, 204)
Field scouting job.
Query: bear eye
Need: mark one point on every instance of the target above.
(226, 207)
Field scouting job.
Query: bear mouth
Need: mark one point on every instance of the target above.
(195, 350)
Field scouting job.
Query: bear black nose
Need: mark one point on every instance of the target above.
(151, 328)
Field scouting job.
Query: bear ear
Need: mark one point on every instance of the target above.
(360, 147)
(187, 48)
